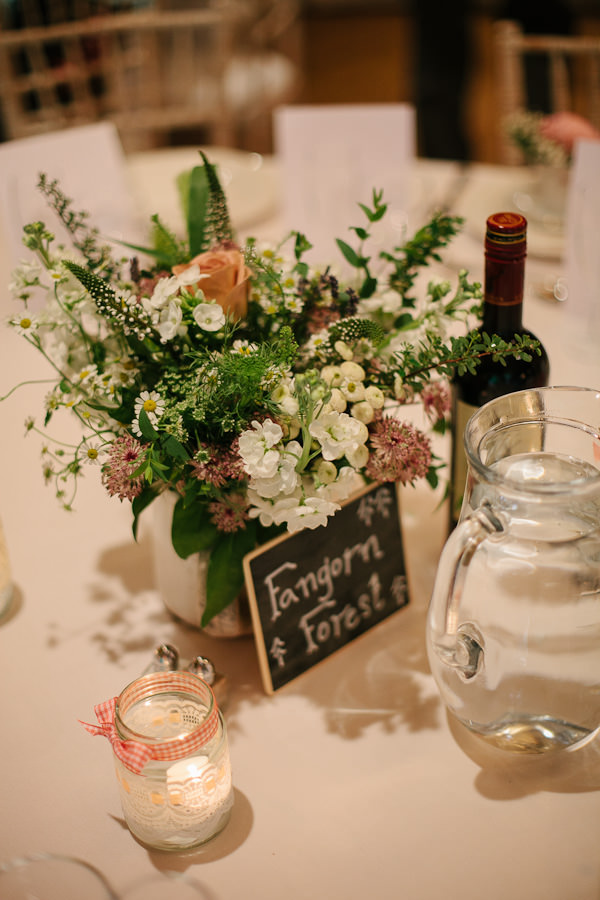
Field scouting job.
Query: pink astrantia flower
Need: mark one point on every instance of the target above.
(217, 465)
(399, 452)
(124, 457)
(436, 400)
(230, 513)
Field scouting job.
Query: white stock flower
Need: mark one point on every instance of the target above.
(209, 316)
(191, 275)
(310, 513)
(256, 448)
(347, 483)
(285, 479)
(164, 290)
(169, 323)
(337, 433)
(358, 456)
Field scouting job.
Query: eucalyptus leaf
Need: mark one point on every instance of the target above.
(349, 254)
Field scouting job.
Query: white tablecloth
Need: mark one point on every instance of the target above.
(350, 782)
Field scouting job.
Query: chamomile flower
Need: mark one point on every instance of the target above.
(92, 453)
(152, 404)
(25, 324)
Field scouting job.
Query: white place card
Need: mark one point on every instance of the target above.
(332, 157)
(581, 250)
(88, 163)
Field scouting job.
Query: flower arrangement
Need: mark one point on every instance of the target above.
(526, 130)
(261, 391)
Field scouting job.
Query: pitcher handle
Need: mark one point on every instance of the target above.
(460, 645)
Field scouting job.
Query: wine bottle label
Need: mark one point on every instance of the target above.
(462, 413)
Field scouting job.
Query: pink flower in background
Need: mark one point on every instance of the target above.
(124, 456)
(399, 452)
(436, 400)
(565, 128)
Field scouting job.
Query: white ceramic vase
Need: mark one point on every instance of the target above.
(181, 583)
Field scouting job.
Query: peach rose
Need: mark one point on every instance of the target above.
(227, 279)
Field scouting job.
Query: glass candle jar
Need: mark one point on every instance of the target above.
(182, 794)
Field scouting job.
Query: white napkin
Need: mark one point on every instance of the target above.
(332, 157)
(581, 251)
(90, 166)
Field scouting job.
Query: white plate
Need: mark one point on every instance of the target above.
(492, 189)
(249, 179)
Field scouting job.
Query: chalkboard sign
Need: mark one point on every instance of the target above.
(313, 592)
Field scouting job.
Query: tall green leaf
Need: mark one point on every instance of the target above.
(225, 576)
(191, 529)
(196, 208)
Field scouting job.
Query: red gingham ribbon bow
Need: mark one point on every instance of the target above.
(131, 753)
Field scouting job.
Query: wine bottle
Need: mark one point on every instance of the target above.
(504, 277)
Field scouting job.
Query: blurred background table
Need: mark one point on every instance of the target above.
(350, 781)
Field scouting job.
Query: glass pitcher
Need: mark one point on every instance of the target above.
(513, 632)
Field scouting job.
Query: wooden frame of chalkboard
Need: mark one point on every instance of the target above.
(313, 592)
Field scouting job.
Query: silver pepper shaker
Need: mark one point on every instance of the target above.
(164, 659)
(204, 668)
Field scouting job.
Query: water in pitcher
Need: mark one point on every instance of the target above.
(529, 610)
